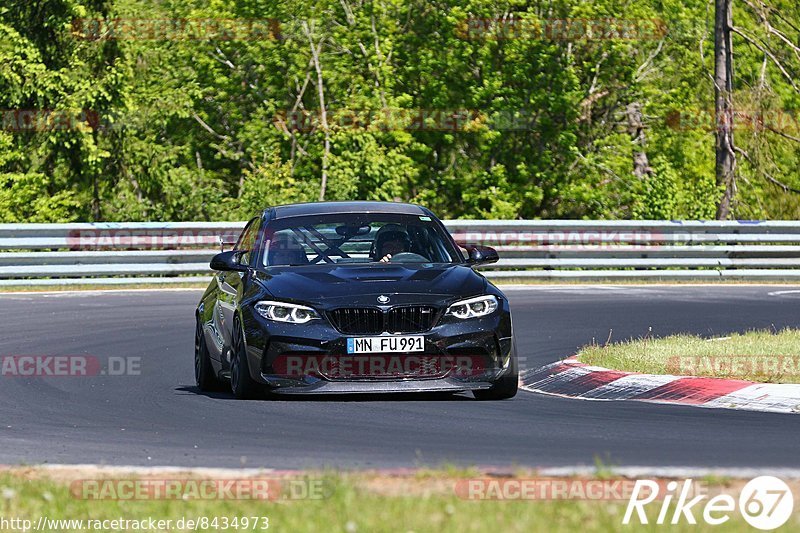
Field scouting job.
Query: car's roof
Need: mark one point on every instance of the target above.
(330, 208)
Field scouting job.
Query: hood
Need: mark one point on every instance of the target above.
(333, 284)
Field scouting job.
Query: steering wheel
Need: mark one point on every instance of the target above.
(408, 257)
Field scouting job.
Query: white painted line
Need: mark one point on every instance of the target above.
(678, 472)
(618, 285)
(152, 470)
(556, 287)
(781, 293)
(88, 292)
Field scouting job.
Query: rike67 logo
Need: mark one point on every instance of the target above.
(765, 503)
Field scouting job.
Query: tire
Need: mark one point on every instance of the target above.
(243, 385)
(505, 387)
(204, 375)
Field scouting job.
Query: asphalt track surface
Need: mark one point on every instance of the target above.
(159, 418)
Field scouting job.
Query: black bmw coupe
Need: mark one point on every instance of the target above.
(347, 297)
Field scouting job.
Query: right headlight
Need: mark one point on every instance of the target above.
(286, 312)
(473, 307)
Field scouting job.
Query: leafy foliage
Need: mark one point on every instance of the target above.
(475, 108)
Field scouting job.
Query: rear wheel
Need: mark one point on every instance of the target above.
(505, 387)
(204, 375)
(243, 385)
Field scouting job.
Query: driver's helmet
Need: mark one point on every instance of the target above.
(390, 232)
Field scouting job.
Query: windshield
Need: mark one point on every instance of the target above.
(362, 238)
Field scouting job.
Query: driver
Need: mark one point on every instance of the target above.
(390, 242)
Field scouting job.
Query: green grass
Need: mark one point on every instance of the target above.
(349, 507)
(763, 356)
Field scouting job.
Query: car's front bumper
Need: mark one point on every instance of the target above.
(485, 343)
(312, 384)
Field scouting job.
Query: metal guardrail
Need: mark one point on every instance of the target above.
(154, 252)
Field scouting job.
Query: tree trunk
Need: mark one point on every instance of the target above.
(315, 53)
(723, 106)
(641, 164)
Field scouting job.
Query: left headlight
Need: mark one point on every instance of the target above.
(286, 312)
(473, 307)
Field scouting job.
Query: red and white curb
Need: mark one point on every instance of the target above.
(573, 379)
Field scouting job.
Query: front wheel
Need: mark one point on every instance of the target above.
(204, 375)
(505, 387)
(243, 385)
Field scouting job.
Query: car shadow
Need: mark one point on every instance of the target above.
(352, 397)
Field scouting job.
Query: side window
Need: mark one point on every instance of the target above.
(247, 241)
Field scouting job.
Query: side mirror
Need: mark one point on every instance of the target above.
(228, 262)
(481, 255)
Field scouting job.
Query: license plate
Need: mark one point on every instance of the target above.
(401, 344)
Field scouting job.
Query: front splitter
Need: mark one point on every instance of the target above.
(378, 387)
